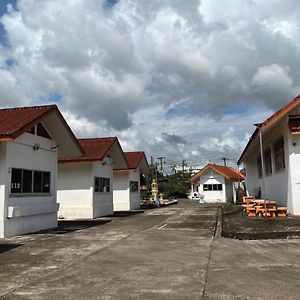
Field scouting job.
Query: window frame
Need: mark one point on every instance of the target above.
(99, 185)
(259, 166)
(279, 153)
(209, 187)
(40, 131)
(31, 193)
(268, 161)
(134, 186)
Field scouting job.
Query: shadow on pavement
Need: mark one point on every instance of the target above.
(7, 247)
(121, 214)
(67, 226)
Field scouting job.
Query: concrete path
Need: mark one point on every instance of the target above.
(168, 253)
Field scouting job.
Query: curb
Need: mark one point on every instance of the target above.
(219, 224)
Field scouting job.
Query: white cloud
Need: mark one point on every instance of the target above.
(159, 74)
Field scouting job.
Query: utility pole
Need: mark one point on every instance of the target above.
(161, 162)
(183, 164)
(152, 167)
(224, 159)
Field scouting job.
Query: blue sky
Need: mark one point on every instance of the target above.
(3, 10)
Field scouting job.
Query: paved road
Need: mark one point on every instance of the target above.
(168, 253)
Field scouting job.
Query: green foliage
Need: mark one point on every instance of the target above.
(178, 185)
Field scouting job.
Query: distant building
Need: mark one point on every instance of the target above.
(276, 175)
(216, 183)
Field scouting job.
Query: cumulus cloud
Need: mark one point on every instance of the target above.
(171, 77)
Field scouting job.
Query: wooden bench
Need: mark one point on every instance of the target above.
(282, 211)
(251, 211)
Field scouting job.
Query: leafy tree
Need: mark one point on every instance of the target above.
(178, 185)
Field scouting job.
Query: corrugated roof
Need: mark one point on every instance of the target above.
(227, 172)
(278, 115)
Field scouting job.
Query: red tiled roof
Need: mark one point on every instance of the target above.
(15, 121)
(227, 172)
(272, 120)
(281, 112)
(134, 158)
(95, 149)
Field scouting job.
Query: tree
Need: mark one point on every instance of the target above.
(178, 185)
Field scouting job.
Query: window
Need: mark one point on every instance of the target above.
(212, 187)
(134, 186)
(268, 161)
(279, 154)
(259, 166)
(39, 130)
(102, 185)
(28, 181)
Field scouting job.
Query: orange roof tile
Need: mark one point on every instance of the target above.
(134, 158)
(278, 115)
(95, 149)
(227, 172)
(16, 121)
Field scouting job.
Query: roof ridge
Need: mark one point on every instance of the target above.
(271, 120)
(29, 107)
(134, 152)
(282, 108)
(99, 138)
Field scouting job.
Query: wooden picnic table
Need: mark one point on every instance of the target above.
(263, 208)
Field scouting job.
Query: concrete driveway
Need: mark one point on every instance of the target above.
(167, 253)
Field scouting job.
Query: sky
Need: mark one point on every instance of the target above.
(181, 79)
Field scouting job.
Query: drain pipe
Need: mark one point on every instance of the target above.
(263, 189)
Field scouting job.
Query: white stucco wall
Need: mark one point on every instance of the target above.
(229, 190)
(123, 198)
(282, 186)
(121, 193)
(103, 202)
(294, 174)
(76, 194)
(212, 177)
(135, 197)
(75, 190)
(30, 212)
(3, 183)
(276, 184)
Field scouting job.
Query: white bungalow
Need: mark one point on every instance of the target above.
(127, 182)
(31, 140)
(272, 158)
(216, 183)
(85, 183)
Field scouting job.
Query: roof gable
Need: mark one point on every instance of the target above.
(273, 119)
(227, 172)
(137, 160)
(96, 149)
(16, 121)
